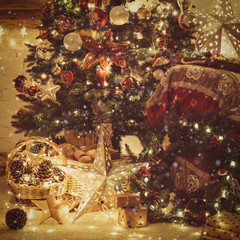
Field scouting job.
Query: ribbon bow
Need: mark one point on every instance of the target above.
(104, 51)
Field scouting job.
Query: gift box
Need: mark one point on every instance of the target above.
(127, 200)
(223, 225)
(132, 217)
(225, 220)
(219, 233)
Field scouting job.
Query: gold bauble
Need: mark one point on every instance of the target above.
(144, 13)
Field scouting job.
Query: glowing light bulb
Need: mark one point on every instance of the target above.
(196, 126)
(208, 129)
(175, 13)
(233, 164)
(216, 205)
(43, 76)
(220, 138)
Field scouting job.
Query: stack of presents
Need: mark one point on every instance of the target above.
(130, 212)
(223, 225)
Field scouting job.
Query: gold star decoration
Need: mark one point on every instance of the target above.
(102, 179)
(48, 91)
(221, 25)
(51, 208)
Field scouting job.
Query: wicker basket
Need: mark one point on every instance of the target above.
(23, 191)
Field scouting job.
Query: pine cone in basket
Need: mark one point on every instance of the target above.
(58, 174)
(44, 171)
(29, 179)
(37, 146)
(18, 168)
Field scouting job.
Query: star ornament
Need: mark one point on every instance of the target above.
(101, 179)
(48, 91)
(218, 27)
(104, 52)
(51, 208)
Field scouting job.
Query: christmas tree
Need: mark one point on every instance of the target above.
(97, 62)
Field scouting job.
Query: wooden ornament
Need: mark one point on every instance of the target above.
(51, 208)
(91, 153)
(144, 13)
(67, 77)
(78, 154)
(85, 159)
(183, 21)
(67, 149)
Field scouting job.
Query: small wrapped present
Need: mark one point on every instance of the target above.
(127, 200)
(218, 233)
(223, 225)
(225, 220)
(132, 217)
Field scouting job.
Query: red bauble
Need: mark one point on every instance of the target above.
(183, 21)
(19, 83)
(62, 24)
(97, 17)
(84, 5)
(67, 77)
(126, 83)
(19, 113)
(43, 34)
(32, 90)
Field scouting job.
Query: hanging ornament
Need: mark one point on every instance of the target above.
(183, 21)
(19, 83)
(126, 83)
(101, 76)
(72, 42)
(45, 50)
(119, 15)
(219, 31)
(97, 17)
(118, 93)
(62, 24)
(67, 77)
(16, 218)
(185, 4)
(84, 5)
(56, 70)
(158, 74)
(144, 13)
(32, 90)
(19, 113)
(43, 34)
(49, 91)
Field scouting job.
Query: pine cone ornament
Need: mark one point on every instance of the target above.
(58, 174)
(36, 148)
(17, 169)
(16, 218)
(44, 171)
